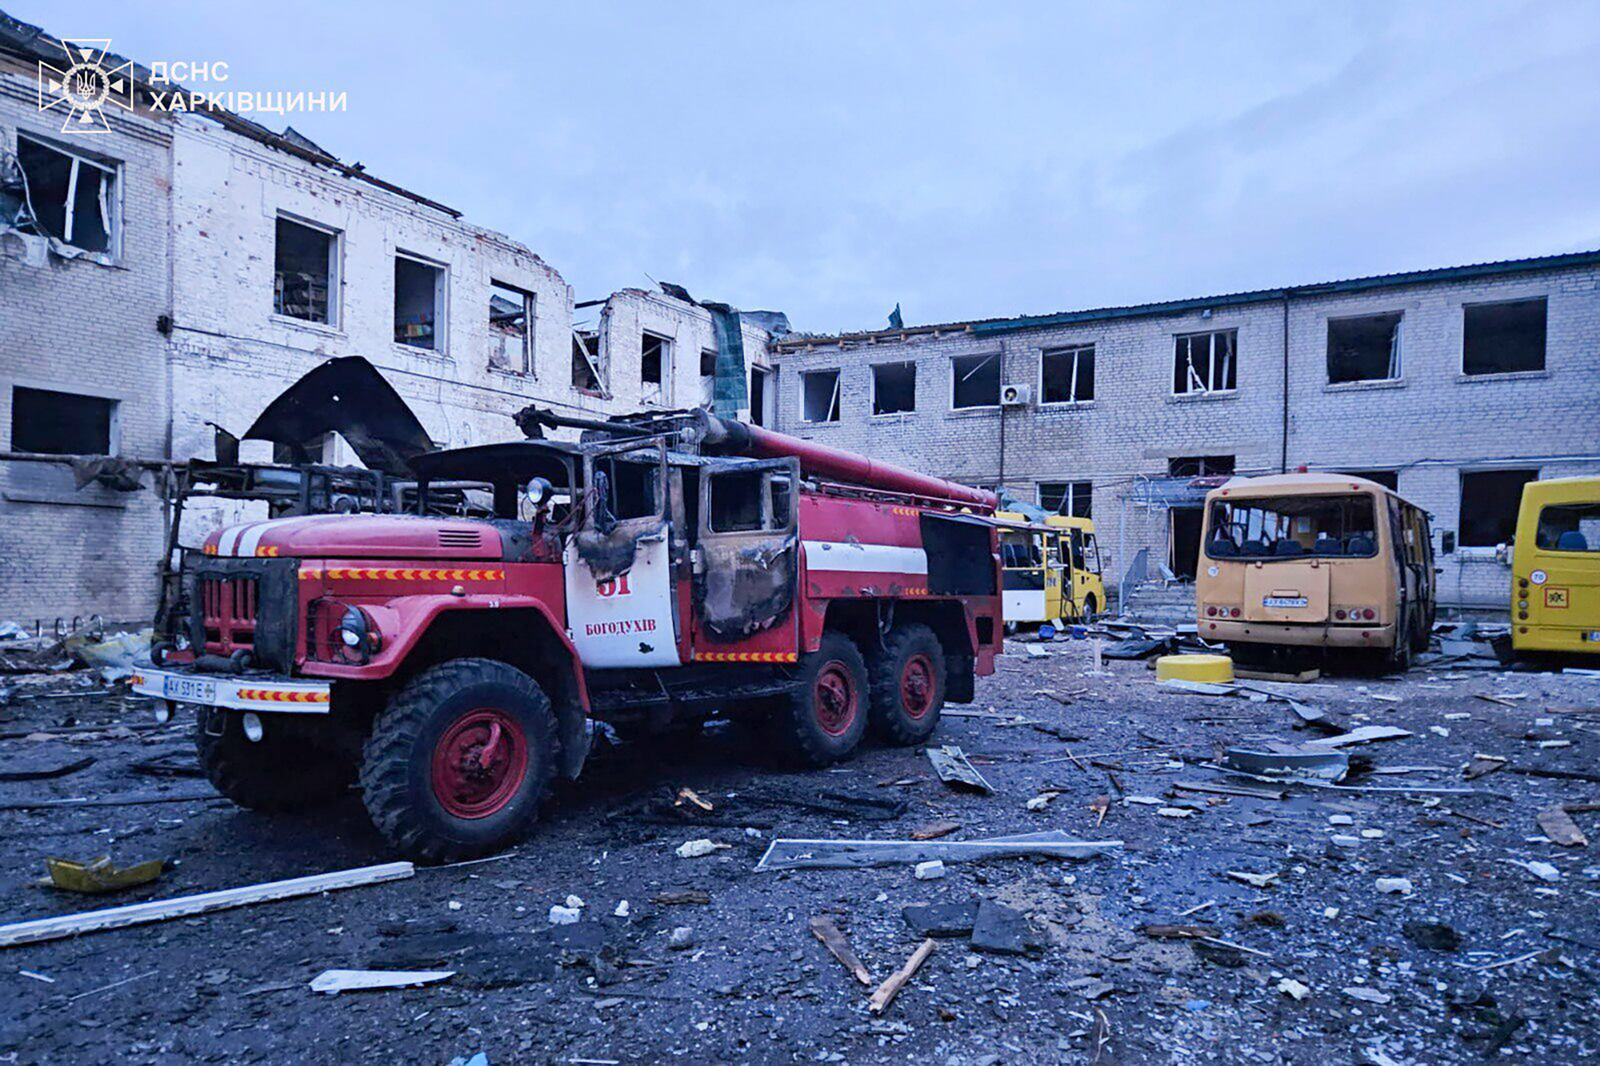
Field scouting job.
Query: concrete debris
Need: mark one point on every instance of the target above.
(560, 915)
(1367, 995)
(931, 870)
(1542, 870)
(1560, 828)
(1394, 886)
(1294, 990)
(1002, 930)
(681, 938)
(1257, 880)
(694, 849)
(941, 919)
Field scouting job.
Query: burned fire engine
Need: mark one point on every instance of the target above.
(658, 569)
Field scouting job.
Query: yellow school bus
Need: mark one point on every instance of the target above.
(1555, 568)
(1315, 560)
(1050, 570)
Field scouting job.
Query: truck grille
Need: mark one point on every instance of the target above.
(228, 613)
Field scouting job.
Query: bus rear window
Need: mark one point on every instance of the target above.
(1019, 551)
(1288, 527)
(1569, 527)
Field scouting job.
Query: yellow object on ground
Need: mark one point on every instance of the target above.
(1213, 669)
(99, 875)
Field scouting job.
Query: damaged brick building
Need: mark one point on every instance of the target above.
(1455, 385)
(172, 273)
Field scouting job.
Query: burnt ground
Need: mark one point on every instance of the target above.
(755, 985)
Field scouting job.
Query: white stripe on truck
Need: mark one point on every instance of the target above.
(839, 555)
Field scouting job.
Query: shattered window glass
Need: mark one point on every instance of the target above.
(73, 198)
(1283, 527)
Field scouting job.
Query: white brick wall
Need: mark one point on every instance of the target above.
(1433, 424)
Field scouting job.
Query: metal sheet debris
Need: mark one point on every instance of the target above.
(332, 982)
(784, 854)
(953, 768)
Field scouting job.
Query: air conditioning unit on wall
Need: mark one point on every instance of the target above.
(1016, 395)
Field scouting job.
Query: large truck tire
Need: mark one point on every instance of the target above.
(280, 772)
(823, 720)
(907, 678)
(458, 763)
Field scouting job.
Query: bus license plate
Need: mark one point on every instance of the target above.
(189, 689)
(1283, 601)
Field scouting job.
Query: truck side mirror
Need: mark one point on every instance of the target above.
(1447, 542)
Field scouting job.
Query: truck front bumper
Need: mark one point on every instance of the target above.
(268, 694)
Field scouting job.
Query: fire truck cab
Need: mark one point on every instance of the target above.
(648, 573)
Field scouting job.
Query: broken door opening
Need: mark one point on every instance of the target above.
(419, 303)
(1364, 348)
(894, 388)
(819, 396)
(759, 392)
(1184, 541)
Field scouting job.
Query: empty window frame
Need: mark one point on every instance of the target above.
(305, 277)
(736, 501)
(1066, 375)
(510, 328)
(1364, 348)
(655, 362)
(760, 395)
(894, 388)
(419, 303)
(586, 375)
(1205, 362)
(1075, 498)
(61, 423)
(74, 199)
(1489, 503)
(1503, 338)
(819, 396)
(975, 381)
(1569, 527)
(1200, 466)
(708, 376)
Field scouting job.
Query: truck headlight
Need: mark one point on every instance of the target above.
(357, 633)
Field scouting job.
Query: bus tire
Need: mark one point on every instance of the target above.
(823, 719)
(907, 677)
(458, 763)
(281, 772)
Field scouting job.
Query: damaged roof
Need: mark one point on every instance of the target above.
(992, 326)
(34, 44)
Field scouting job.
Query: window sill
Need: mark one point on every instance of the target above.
(1204, 397)
(970, 412)
(1066, 405)
(421, 353)
(1363, 386)
(819, 425)
(307, 324)
(891, 417)
(1510, 375)
(520, 375)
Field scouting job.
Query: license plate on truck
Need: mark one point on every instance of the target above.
(189, 689)
(1283, 601)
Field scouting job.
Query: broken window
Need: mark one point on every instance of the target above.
(586, 361)
(655, 355)
(510, 328)
(419, 303)
(1204, 362)
(1569, 527)
(1389, 479)
(819, 396)
(305, 265)
(708, 376)
(629, 483)
(1200, 466)
(758, 395)
(60, 423)
(1067, 497)
(1067, 375)
(1503, 338)
(1489, 502)
(1281, 527)
(73, 198)
(894, 388)
(1366, 348)
(782, 492)
(975, 381)
(736, 501)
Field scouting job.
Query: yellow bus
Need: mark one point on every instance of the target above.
(1050, 570)
(1315, 561)
(1555, 565)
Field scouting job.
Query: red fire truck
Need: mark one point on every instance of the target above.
(658, 569)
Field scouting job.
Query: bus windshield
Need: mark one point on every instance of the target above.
(1284, 527)
(1569, 527)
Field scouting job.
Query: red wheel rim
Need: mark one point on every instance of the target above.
(916, 686)
(479, 763)
(834, 699)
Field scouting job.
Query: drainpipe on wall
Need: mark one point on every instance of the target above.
(1283, 457)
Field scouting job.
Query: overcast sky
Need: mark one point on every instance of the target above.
(963, 160)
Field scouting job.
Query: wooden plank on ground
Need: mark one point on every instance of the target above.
(889, 989)
(825, 930)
